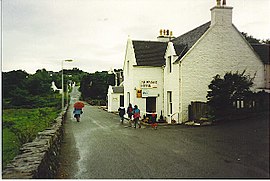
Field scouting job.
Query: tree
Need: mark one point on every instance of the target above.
(224, 91)
(12, 80)
(250, 38)
(95, 86)
(267, 41)
(40, 83)
(253, 40)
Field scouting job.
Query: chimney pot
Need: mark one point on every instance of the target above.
(160, 32)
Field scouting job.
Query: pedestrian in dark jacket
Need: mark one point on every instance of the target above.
(130, 112)
(121, 113)
(136, 115)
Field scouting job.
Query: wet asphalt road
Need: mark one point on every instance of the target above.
(100, 147)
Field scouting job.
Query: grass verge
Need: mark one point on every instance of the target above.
(21, 126)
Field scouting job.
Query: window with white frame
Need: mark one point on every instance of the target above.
(169, 64)
(169, 100)
(128, 97)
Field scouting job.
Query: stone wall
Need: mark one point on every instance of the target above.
(38, 159)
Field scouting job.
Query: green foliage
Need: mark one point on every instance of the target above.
(253, 40)
(40, 83)
(223, 91)
(95, 86)
(22, 125)
(21, 89)
(11, 146)
(250, 38)
(75, 75)
(14, 80)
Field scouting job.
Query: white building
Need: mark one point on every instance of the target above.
(53, 86)
(171, 74)
(143, 75)
(115, 98)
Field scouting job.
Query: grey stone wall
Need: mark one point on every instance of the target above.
(38, 159)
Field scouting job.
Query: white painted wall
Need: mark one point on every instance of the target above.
(171, 83)
(113, 100)
(221, 49)
(152, 74)
(133, 75)
(128, 72)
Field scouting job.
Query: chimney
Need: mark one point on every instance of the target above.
(165, 35)
(221, 14)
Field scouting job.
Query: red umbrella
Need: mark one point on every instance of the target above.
(79, 105)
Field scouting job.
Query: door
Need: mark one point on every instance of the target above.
(121, 101)
(151, 104)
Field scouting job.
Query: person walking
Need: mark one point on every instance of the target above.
(136, 116)
(130, 112)
(78, 110)
(154, 120)
(77, 114)
(121, 113)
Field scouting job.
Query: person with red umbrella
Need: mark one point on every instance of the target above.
(78, 110)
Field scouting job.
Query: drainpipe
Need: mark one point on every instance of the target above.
(163, 97)
(180, 115)
(181, 93)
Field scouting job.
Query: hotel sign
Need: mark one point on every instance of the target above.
(149, 93)
(146, 84)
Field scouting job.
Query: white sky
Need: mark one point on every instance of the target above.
(40, 34)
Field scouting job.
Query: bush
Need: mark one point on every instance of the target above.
(224, 91)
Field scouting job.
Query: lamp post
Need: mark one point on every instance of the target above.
(68, 85)
(63, 82)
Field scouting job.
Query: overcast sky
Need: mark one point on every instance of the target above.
(40, 34)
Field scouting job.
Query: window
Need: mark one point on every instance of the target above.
(121, 101)
(169, 100)
(170, 64)
(128, 98)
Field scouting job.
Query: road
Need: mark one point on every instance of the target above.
(99, 147)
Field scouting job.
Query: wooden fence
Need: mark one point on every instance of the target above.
(198, 110)
(240, 107)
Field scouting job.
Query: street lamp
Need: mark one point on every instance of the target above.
(63, 82)
(68, 85)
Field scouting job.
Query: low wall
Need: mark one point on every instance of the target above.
(38, 159)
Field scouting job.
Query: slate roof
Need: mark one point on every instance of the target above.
(191, 37)
(263, 50)
(118, 89)
(150, 53)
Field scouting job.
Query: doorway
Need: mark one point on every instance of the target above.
(121, 101)
(151, 104)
